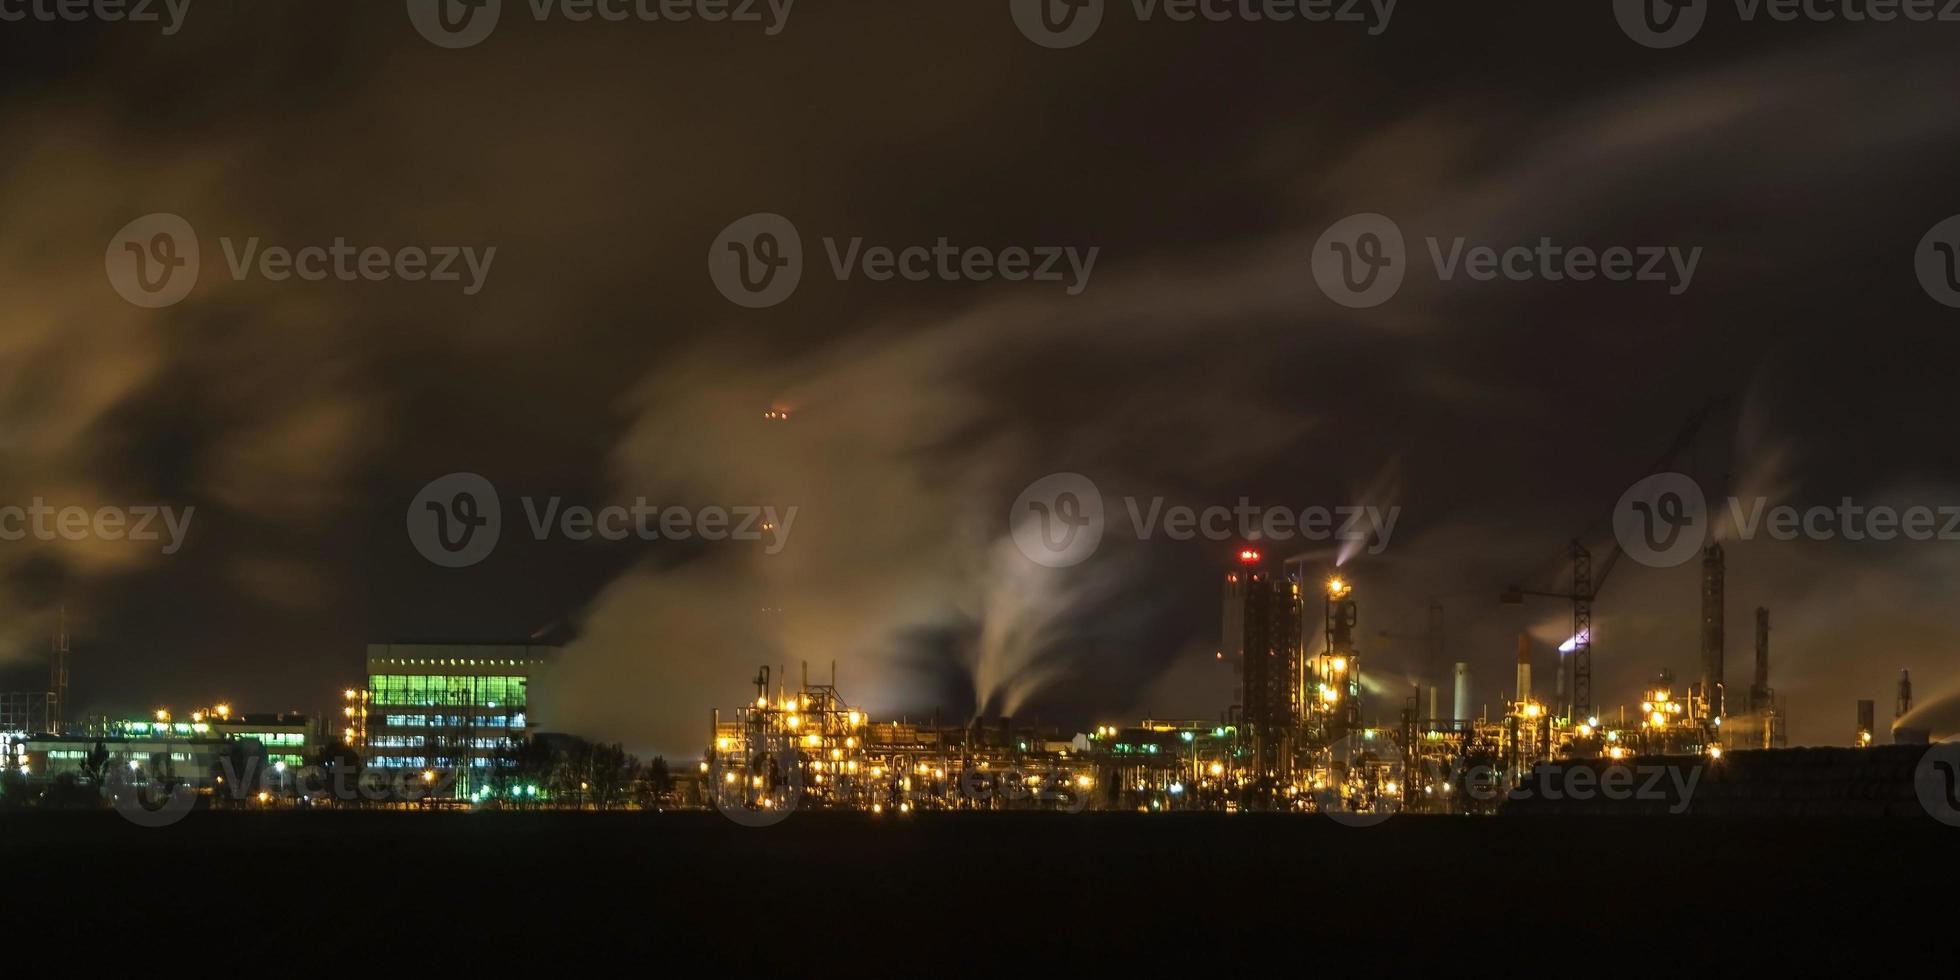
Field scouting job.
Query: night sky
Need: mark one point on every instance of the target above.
(600, 364)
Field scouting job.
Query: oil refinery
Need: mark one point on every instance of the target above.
(1298, 739)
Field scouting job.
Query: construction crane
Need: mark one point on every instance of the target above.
(1586, 585)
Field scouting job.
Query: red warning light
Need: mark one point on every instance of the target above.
(1248, 557)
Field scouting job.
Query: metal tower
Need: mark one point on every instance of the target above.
(58, 678)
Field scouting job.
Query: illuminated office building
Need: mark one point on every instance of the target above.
(448, 708)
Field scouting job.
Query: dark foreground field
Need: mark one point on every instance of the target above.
(972, 892)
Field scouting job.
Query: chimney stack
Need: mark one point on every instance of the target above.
(1462, 713)
(1714, 589)
(1524, 667)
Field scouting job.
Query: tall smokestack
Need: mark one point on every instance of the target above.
(1714, 589)
(1905, 695)
(1461, 713)
(1433, 696)
(1759, 688)
(1524, 667)
(1867, 717)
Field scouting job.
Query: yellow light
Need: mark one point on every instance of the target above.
(1585, 731)
(728, 778)
(721, 744)
(224, 711)
(877, 808)
(762, 702)
(1660, 720)
(1340, 665)
(1336, 587)
(428, 775)
(855, 718)
(348, 694)
(1646, 705)
(1714, 751)
(1217, 769)
(1531, 711)
(795, 722)
(1082, 781)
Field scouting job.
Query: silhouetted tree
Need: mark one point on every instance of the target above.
(655, 787)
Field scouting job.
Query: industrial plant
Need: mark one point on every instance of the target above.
(1305, 734)
(1299, 739)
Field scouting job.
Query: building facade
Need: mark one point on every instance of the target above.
(453, 710)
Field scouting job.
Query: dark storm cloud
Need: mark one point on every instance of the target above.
(1201, 363)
